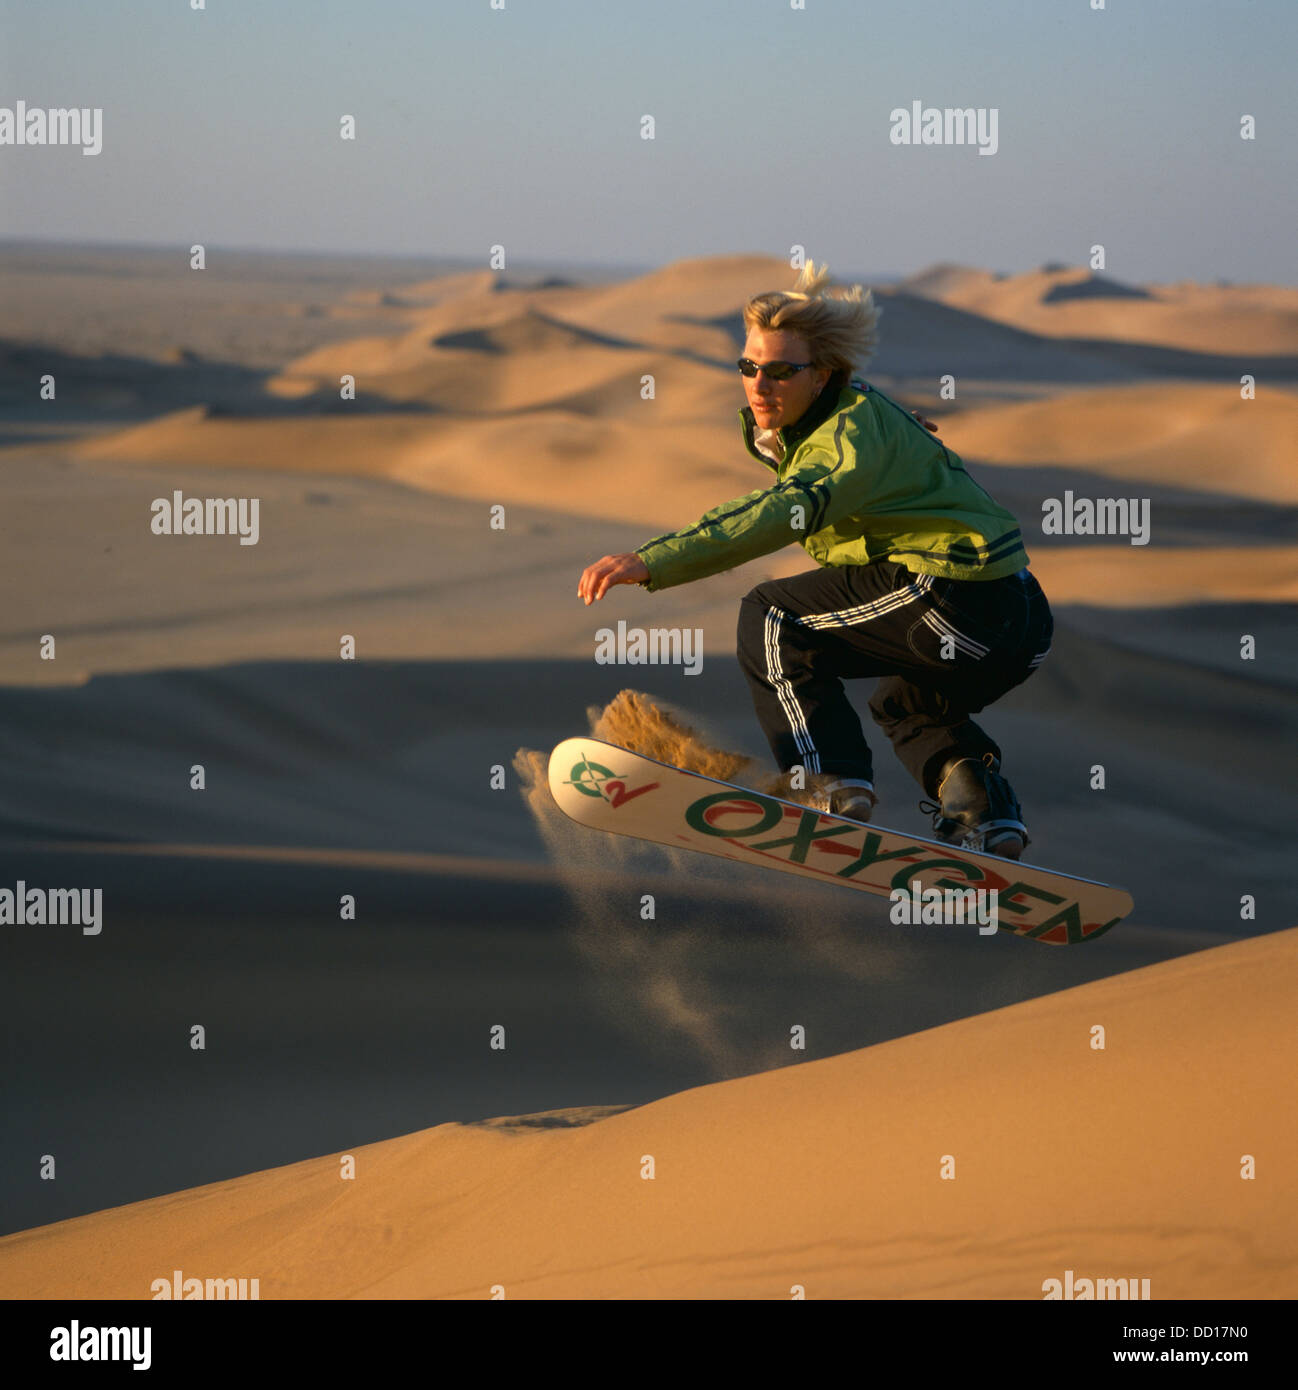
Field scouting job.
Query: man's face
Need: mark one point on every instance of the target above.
(779, 403)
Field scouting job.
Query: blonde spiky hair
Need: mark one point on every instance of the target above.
(840, 331)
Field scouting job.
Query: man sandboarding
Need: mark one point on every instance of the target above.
(922, 577)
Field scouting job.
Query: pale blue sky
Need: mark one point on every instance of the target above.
(521, 127)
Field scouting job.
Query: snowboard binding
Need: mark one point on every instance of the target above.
(978, 809)
(850, 797)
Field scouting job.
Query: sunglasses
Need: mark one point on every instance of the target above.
(777, 371)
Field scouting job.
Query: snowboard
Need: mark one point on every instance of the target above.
(605, 787)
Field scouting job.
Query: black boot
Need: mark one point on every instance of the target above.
(978, 810)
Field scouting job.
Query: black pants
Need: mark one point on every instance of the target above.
(945, 649)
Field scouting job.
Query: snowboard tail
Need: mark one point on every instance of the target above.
(605, 787)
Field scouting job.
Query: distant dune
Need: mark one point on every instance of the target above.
(1077, 303)
(1194, 436)
(535, 393)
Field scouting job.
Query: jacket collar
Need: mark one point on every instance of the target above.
(811, 420)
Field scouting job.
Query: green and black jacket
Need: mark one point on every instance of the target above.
(862, 480)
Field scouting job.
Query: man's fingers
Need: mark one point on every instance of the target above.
(599, 578)
(588, 589)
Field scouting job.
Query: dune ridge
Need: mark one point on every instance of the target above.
(1075, 302)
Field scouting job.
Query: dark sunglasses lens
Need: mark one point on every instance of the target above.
(777, 371)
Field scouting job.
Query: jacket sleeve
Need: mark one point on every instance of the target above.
(815, 493)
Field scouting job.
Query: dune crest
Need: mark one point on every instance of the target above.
(1076, 302)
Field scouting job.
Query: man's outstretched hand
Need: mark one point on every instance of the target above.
(598, 578)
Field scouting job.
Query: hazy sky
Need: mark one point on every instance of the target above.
(522, 126)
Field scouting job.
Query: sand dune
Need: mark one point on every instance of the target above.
(1123, 1162)
(1190, 435)
(1074, 302)
(425, 293)
(454, 378)
(547, 384)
